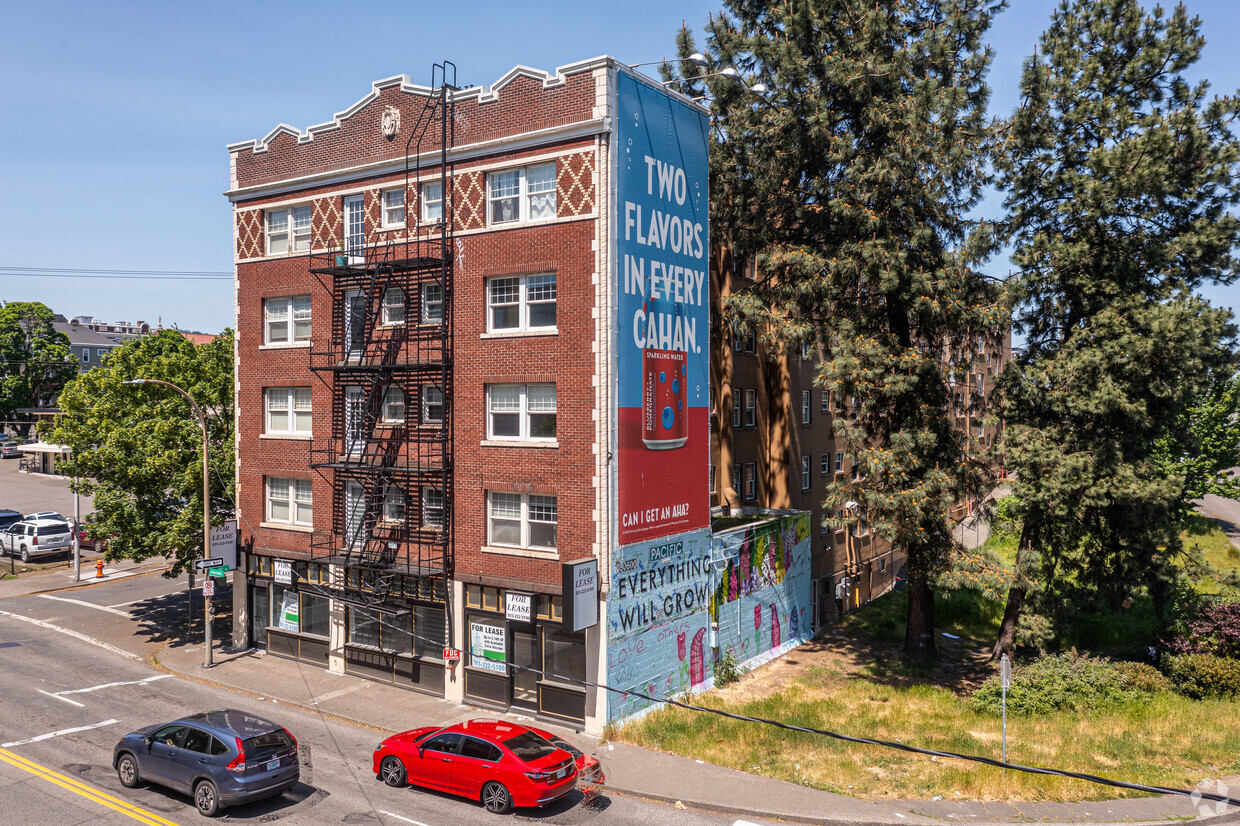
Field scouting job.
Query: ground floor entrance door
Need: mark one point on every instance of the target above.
(525, 650)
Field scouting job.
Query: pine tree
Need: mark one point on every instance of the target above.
(1119, 177)
(849, 184)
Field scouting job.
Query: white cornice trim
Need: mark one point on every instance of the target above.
(460, 154)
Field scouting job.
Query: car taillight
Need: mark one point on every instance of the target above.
(238, 763)
(291, 737)
(539, 777)
(34, 540)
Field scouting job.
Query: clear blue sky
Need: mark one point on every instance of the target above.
(116, 115)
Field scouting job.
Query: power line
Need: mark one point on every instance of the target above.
(135, 275)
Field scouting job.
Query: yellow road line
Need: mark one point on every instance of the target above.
(84, 790)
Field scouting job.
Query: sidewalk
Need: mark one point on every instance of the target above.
(630, 770)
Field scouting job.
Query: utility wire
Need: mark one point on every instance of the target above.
(136, 275)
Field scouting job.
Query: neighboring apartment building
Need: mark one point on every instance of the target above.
(773, 446)
(469, 369)
(118, 331)
(87, 345)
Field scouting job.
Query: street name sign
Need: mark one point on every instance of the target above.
(213, 562)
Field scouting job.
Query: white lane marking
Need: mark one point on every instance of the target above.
(88, 605)
(338, 693)
(66, 699)
(113, 685)
(72, 633)
(52, 734)
(398, 817)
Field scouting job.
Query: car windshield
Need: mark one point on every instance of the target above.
(529, 746)
(267, 745)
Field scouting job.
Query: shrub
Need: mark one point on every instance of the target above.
(1214, 630)
(727, 670)
(1057, 682)
(1143, 677)
(1203, 675)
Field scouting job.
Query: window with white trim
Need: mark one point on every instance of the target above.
(432, 202)
(804, 407)
(288, 230)
(826, 464)
(826, 401)
(432, 303)
(839, 462)
(521, 302)
(804, 473)
(751, 407)
(736, 409)
(288, 410)
(751, 481)
(432, 508)
(393, 406)
(517, 195)
(751, 342)
(393, 306)
(736, 477)
(394, 207)
(85, 355)
(521, 520)
(524, 412)
(432, 404)
(738, 340)
(289, 501)
(286, 319)
(394, 504)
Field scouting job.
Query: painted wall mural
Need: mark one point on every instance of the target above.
(752, 584)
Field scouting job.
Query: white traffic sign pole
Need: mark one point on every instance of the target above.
(1005, 680)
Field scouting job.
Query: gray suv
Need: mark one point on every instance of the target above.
(221, 758)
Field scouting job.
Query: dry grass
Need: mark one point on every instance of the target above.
(1170, 741)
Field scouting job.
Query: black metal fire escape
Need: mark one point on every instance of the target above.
(388, 453)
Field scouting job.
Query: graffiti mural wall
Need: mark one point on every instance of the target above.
(752, 583)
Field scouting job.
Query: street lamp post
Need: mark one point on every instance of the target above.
(206, 506)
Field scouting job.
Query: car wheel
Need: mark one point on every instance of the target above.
(127, 771)
(206, 798)
(496, 798)
(25, 554)
(392, 771)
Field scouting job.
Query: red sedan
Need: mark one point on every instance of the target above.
(589, 769)
(498, 763)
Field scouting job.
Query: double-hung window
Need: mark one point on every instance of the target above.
(804, 407)
(521, 302)
(393, 207)
(432, 508)
(825, 469)
(393, 306)
(432, 404)
(524, 412)
(751, 481)
(432, 303)
(804, 473)
(516, 195)
(521, 520)
(751, 408)
(736, 477)
(286, 320)
(85, 355)
(393, 406)
(288, 410)
(289, 501)
(839, 462)
(826, 401)
(288, 230)
(432, 202)
(394, 504)
(736, 409)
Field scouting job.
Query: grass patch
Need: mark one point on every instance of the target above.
(964, 612)
(1222, 558)
(1165, 740)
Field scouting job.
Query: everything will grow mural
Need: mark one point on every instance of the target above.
(676, 606)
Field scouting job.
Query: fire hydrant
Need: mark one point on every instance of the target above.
(99, 569)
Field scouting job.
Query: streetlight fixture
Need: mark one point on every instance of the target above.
(206, 506)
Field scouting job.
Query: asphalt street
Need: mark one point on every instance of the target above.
(74, 677)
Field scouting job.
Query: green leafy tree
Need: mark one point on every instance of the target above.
(849, 183)
(138, 449)
(1205, 446)
(1120, 177)
(35, 360)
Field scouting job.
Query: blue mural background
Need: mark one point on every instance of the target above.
(754, 582)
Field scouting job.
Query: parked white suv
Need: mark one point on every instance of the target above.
(36, 537)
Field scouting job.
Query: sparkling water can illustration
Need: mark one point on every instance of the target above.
(665, 391)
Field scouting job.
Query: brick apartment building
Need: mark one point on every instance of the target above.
(474, 388)
(430, 378)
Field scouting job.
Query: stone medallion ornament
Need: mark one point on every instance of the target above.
(390, 122)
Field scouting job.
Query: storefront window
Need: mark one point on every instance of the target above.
(315, 615)
(260, 608)
(431, 631)
(363, 627)
(285, 608)
(564, 655)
